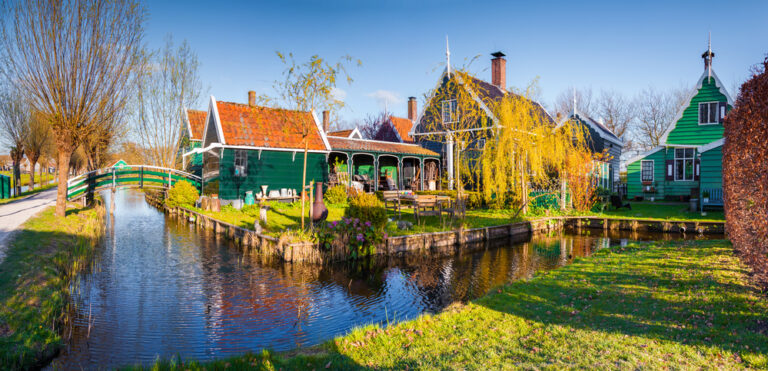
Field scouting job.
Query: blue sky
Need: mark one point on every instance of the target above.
(625, 46)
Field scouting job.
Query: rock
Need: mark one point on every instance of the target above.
(404, 225)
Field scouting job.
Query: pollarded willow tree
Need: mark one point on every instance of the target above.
(75, 61)
(37, 143)
(14, 128)
(526, 150)
(168, 84)
(456, 115)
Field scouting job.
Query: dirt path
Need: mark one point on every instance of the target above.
(15, 213)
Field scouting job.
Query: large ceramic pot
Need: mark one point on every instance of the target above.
(319, 211)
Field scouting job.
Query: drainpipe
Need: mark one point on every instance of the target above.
(449, 159)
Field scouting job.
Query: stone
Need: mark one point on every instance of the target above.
(404, 225)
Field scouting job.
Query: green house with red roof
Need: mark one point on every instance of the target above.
(688, 163)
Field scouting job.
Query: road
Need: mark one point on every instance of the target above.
(14, 214)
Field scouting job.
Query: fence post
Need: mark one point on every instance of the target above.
(141, 176)
(169, 178)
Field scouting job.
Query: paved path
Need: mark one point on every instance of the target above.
(14, 214)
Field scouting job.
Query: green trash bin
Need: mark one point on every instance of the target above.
(5, 186)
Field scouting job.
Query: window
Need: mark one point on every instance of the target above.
(646, 171)
(449, 111)
(241, 162)
(684, 163)
(709, 113)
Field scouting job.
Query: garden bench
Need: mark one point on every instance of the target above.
(715, 197)
(392, 201)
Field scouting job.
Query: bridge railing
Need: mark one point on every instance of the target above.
(136, 176)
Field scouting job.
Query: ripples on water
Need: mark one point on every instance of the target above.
(161, 288)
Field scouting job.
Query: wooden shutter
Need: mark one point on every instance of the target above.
(722, 107)
(696, 169)
(669, 170)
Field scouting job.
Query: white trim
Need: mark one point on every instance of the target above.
(321, 131)
(653, 171)
(213, 109)
(674, 164)
(397, 133)
(711, 145)
(189, 126)
(592, 124)
(380, 141)
(692, 94)
(355, 131)
(698, 111)
(643, 155)
(220, 145)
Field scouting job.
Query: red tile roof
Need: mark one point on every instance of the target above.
(340, 133)
(349, 144)
(256, 126)
(196, 123)
(403, 126)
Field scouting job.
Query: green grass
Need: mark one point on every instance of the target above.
(656, 211)
(681, 305)
(42, 259)
(25, 178)
(27, 193)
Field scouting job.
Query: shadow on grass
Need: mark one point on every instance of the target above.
(648, 293)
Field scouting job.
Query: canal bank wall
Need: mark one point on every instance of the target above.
(442, 242)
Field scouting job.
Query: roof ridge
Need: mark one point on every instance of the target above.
(245, 105)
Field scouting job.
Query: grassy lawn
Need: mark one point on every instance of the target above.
(27, 193)
(42, 259)
(283, 216)
(682, 305)
(25, 178)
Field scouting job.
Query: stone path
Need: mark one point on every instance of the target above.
(14, 214)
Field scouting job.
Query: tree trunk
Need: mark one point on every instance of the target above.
(16, 178)
(32, 162)
(61, 190)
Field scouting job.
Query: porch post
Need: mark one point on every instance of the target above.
(400, 172)
(449, 159)
(349, 170)
(375, 173)
(421, 173)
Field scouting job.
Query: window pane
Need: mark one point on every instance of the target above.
(688, 169)
(712, 112)
(678, 153)
(679, 169)
(702, 113)
(688, 152)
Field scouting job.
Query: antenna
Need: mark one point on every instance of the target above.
(447, 55)
(574, 100)
(709, 52)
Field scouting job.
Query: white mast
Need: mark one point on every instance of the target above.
(447, 55)
(709, 52)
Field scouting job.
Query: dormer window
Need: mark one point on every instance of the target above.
(711, 113)
(449, 111)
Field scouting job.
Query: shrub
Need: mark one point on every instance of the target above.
(367, 207)
(360, 238)
(474, 200)
(183, 193)
(336, 194)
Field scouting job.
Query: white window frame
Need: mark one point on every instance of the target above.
(243, 156)
(684, 159)
(653, 176)
(717, 113)
(454, 115)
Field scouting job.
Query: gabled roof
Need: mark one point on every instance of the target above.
(601, 129)
(350, 133)
(367, 145)
(265, 127)
(699, 83)
(402, 126)
(486, 92)
(196, 123)
(644, 155)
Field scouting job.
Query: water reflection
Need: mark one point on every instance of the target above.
(161, 288)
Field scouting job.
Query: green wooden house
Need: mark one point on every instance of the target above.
(192, 138)
(689, 160)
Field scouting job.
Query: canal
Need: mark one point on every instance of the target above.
(160, 288)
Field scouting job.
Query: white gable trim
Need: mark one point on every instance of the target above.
(591, 124)
(213, 111)
(699, 84)
(644, 155)
(189, 125)
(321, 131)
(712, 145)
(355, 134)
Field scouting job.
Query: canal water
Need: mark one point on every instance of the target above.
(159, 288)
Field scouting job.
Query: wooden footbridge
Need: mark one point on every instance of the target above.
(122, 175)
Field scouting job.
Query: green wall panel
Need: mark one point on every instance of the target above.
(687, 129)
(712, 168)
(275, 169)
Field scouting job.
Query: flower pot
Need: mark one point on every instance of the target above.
(319, 211)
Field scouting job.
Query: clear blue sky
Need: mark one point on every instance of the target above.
(619, 45)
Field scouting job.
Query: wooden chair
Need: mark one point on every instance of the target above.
(426, 206)
(457, 207)
(617, 204)
(392, 201)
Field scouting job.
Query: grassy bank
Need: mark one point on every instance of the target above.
(683, 305)
(42, 259)
(282, 216)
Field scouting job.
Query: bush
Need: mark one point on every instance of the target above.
(336, 195)
(183, 193)
(367, 208)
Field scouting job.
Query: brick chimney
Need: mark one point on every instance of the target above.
(499, 70)
(251, 98)
(412, 108)
(326, 120)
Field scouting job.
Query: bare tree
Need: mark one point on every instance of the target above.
(617, 113)
(584, 103)
(169, 83)
(371, 124)
(38, 139)
(14, 126)
(74, 60)
(309, 86)
(655, 112)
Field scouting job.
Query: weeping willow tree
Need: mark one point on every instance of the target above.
(527, 150)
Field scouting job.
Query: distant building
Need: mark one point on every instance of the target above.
(599, 138)
(193, 136)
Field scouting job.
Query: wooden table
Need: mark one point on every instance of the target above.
(425, 205)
